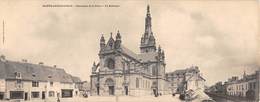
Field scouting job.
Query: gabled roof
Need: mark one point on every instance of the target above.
(33, 72)
(194, 75)
(76, 79)
(182, 71)
(129, 52)
(143, 57)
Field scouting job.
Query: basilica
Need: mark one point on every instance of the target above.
(121, 71)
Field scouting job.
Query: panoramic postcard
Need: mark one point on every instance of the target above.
(129, 51)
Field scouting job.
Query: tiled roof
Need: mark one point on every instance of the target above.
(76, 79)
(33, 72)
(198, 76)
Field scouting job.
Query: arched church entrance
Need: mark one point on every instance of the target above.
(111, 86)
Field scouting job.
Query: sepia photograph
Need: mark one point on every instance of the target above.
(130, 51)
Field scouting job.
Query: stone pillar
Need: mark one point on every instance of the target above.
(118, 85)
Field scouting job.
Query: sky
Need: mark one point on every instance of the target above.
(220, 37)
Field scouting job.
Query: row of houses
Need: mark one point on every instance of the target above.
(246, 87)
(26, 81)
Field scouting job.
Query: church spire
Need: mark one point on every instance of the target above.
(102, 43)
(148, 40)
(118, 40)
(148, 22)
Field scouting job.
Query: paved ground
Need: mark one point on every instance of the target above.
(164, 98)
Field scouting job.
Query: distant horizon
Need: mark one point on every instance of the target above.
(220, 38)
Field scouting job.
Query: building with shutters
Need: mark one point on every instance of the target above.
(26, 81)
(246, 87)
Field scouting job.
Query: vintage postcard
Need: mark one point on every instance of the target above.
(129, 51)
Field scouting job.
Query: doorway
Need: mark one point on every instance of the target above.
(126, 90)
(111, 86)
(25, 96)
(111, 90)
(43, 94)
(98, 90)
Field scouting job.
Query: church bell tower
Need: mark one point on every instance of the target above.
(148, 41)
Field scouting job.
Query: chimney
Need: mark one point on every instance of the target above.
(55, 66)
(41, 63)
(24, 60)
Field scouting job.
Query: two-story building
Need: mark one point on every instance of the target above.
(185, 79)
(246, 87)
(26, 81)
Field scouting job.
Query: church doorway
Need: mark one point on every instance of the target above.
(111, 90)
(111, 86)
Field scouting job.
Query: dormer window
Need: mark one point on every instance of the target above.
(18, 75)
(51, 84)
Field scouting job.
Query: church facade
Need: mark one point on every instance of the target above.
(121, 71)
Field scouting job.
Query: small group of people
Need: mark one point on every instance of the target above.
(85, 94)
(156, 93)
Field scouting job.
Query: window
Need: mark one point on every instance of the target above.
(137, 83)
(16, 94)
(18, 75)
(154, 71)
(19, 81)
(51, 93)
(66, 93)
(35, 94)
(35, 84)
(51, 84)
(128, 68)
(111, 45)
(111, 64)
